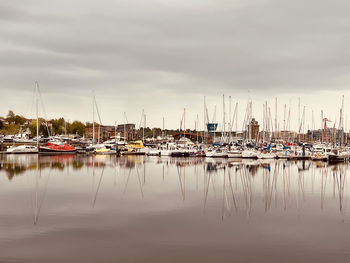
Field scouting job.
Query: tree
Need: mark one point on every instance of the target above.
(57, 126)
(20, 120)
(76, 127)
(1, 125)
(42, 128)
(10, 116)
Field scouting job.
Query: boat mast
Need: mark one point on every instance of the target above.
(185, 122)
(230, 123)
(37, 114)
(284, 124)
(197, 124)
(299, 119)
(93, 118)
(124, 127)
(115, 132)
(143, 128)
(223, 133)
(144, 125)
(276, 132)
(322, 128)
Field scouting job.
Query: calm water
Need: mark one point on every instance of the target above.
(152, 209)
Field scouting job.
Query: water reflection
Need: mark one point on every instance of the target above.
(156, 196)
(241, 185)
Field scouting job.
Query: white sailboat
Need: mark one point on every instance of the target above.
(25, 149)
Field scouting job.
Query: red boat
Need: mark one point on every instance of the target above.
(53, 148)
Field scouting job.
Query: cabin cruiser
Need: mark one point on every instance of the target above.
(234, 153)
(320, 153)
(22, 149)
(8, 138)
(284, 154)
(338, 155)
(134, 148)
(266, 155)
(166, 149)
(250, 153)
(153, 152)
(216, 153)
(105, 151)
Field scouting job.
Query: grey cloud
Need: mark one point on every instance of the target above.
(194, 48)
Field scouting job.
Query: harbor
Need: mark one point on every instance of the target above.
(167, 131)
(215, 140)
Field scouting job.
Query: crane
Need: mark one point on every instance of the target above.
(325, 120)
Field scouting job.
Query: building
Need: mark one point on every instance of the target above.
(100, 132)
(129, 129)
(106, 132)
(253, 129)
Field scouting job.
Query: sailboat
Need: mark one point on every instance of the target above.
(25, 149)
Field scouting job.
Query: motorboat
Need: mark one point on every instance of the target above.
(22, 149)
(153, 152)
(337, 155)
(250, 154)
(235, 153)
(266, 155)
(105, 151)
(216, 153)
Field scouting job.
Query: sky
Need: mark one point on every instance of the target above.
(166, 55)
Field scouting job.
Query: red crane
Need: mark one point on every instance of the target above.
(325, 120)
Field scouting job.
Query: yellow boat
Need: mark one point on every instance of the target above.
(135, 144)
(104, 151)
(134, 148)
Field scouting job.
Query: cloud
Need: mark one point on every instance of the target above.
(151, 54)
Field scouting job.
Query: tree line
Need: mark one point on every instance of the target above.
(14, 124)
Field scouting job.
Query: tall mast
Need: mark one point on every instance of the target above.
(230, 122)
(236, 111)
(115, 131)
(37, 114)
(93, 118)
(299, 118)
(313, 126)
(322, 127)
(144, 124)
(197, 124)
(342, 120)
(276, 136)
(204, 119)
(284, 123)
(143, 128)
(184, 122)
(124, 127)
(223, 119)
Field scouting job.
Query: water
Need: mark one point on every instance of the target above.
(152, 209)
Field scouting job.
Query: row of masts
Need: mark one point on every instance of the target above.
(270, 129)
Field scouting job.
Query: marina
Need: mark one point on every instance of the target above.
(174, 131)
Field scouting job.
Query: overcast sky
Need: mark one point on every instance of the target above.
(165, 55)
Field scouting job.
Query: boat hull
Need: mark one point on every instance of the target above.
(47, 150)
(180, 154)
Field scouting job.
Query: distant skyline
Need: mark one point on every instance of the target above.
(164, 56)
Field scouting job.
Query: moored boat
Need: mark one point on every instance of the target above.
(22, 149)
(53, 148)
(250, 154)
